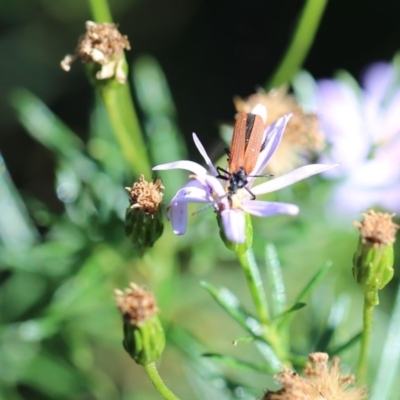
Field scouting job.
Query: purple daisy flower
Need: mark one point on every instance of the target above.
(362, 126)
(206, 187)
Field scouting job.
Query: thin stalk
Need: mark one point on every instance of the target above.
(120, 109)
(300, 45)
(100, 10)
(370, 300)
(254, 282)
(387, 374)
(157, 381)
(123, 118)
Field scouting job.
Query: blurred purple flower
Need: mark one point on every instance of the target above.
(362, 126)
(207, 188)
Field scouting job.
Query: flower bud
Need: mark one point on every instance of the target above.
(373, 259)
(144, 219)
(144, 337)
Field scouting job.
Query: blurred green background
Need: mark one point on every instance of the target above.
(63, 249)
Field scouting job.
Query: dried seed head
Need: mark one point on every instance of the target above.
(373, 259)
(102, 44)
(377, 228)
(302, 138)
(144, 338)
(136, 304)
(146, 196)
(319, 381)
(144, 217)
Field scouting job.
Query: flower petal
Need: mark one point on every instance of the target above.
(260, 110)
(183, 164)
(291, 177)
(273, 136)
(267, 208)
(233, 222)
(178, 214)
(177, 210)
(340, 114)
(193, 192)
(378, 78)
(203, 152)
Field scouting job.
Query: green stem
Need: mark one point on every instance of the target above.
(100, 10)
(301, 42)
(370, 300)
(253, 278)
(157, 381)
(121, 111)
(123, 118)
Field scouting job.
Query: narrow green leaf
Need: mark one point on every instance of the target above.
(49, 130)
(48, 375)
(206, 376)
(165, 140)
(389, 363)
(233, 362)
(343, 347)
(313, 282)
(230, 303)
(276, 285)
(42, 124)
(335, 318)
(294, 307)
(299, 362)
(243, 339)
(16, 228)
(304, 293)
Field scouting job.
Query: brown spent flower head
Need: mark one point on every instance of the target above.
(377, 228)
(146, 196)
(102, 44)
(302, 138)
(320, 382)
(136, 304)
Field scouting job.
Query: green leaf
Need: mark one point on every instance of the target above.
(204, 374)
(243, 339)
(43, 125)
(343, 347)
(165, 140)
(230, 303)
(16, 228)
(335, 318)
(387, 373)
(294, 307)
(276, 285)
(233, 362)
(304, 293)
(52, 376)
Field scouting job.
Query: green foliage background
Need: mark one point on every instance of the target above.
(63, 249)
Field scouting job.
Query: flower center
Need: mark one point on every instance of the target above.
(236, 200)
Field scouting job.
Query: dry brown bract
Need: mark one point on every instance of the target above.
(377, 228)
(102, 44)
(320, 382)
(302, 137)
(136, 304)
(146, 195)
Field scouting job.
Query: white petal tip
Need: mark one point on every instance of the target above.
(260, 110)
